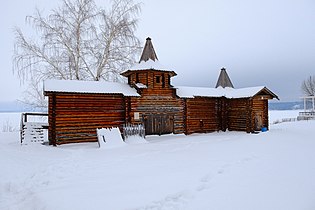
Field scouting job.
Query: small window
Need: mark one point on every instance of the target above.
(157, 79)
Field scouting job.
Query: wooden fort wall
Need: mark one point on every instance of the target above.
(202, 115)
(74, 117)
(260, 110)
(159, 110)
(239, 115)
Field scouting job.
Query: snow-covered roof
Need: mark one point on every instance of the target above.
(148, 61)
(150, 64)
(191, 92)
(79, 86)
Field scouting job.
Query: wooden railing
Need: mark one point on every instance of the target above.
(133, 130)
(306, 115)
(32, 129)
(311, 113)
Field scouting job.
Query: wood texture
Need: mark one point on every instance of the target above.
(75, 117)
(202, 115)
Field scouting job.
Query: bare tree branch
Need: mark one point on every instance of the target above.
(78, 40)
(308, 86)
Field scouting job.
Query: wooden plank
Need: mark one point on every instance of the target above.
(75, 117)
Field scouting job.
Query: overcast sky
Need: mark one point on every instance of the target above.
(267, 42)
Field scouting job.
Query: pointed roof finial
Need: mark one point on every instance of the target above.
(148, 52)
(224, 79)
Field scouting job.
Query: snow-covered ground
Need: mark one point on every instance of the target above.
(273, 170)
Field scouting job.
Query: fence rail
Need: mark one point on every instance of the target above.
(32, 131)
(307, 113)
(133, 130)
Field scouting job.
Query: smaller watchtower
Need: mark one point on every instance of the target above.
(148, 72)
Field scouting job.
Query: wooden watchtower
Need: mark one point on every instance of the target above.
(158, 106)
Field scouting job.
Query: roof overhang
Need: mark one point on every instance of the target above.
(90, 87)
(129, 72)
(230, 93)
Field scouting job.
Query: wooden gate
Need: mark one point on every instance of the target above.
(158, 124)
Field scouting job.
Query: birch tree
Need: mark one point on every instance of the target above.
(78, 41)
(308, 86)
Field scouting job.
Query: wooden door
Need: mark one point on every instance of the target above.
(258, 120)
(158, 124)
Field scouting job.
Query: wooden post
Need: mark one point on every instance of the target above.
(266, 113)
(52, 127)
(224, 114)
(249, 117)
(185, 117)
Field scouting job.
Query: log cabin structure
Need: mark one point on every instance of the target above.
(77, 108)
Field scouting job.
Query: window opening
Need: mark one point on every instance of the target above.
(157, 79)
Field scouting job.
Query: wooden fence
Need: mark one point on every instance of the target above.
(32, 131)
(133, 130)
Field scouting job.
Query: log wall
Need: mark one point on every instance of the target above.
(239, 115)
(149, 78)
(75, 117)
(260, 107)
(202, 115)
(159, 102)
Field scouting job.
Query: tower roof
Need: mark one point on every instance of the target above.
(224, 80)
(148, 61)
(148, 52)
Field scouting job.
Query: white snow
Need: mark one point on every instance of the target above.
(272, 170)
(150, 64)
(120, 88)
(109, 138)
(140, 85)
(33, 132)
(79, 86)
(190, 92)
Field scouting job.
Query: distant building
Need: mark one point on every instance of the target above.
(77, 108)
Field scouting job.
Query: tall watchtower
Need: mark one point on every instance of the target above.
(158, 107)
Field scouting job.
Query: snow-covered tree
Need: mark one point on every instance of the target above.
(308, 86)
(78, 41)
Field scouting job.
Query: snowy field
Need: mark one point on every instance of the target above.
(273, 170)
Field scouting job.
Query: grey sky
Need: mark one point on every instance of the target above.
(267, 42)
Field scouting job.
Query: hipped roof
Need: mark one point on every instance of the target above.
(148, 52)
(148, 61)
(224, 80)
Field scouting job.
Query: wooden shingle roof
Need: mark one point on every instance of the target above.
(224, 80)
(148, 52)
(148, 61)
